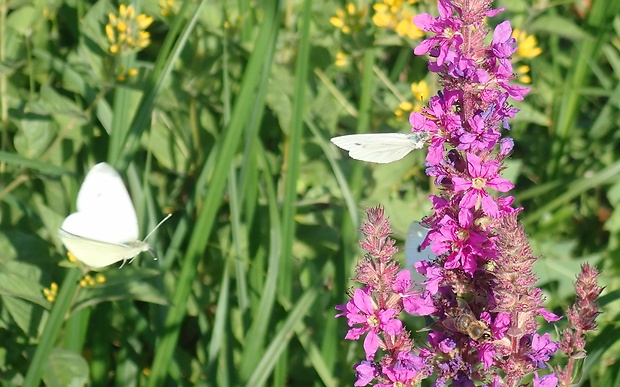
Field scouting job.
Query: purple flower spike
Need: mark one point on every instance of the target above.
(479, 296)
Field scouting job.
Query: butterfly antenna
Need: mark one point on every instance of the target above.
(156, 227)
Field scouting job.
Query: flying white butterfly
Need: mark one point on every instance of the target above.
(104, 230)
(414, 252)
(380, 148)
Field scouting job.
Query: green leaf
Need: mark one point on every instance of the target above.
(17, 285)
(65, 368)
(22, 19)
(36, 130)
(127, 283)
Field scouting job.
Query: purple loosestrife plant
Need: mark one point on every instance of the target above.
(480, 290)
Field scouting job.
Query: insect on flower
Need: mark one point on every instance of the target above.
(461, 319)
(381, 148)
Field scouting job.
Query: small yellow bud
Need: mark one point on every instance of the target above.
(122, 26)
(51, 293)
(71, 257)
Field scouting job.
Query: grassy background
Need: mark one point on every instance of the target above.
(227, 127)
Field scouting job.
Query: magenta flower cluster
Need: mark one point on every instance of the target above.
(480, 290)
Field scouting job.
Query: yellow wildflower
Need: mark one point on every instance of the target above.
(88, 280)
(421, 93)
(526, 44)
(51, 293)
(126, 32)
(382, 17)
(405, 26)
(402, 110)
(348, 19)
(420, 90)
(122, 75)
(342, 59)
(392, 15)
(523, 75)
(167, 7)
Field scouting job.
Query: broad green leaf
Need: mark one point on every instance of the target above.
(127, 283)
(65, 368)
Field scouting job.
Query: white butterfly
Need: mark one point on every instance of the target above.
(380, 148)
(104, 230)
(413, 251)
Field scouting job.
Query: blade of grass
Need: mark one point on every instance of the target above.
(168, 55)
(315, 356)
(292, 173)
(293, 151)
(350, 233)
(576, 188)
(206, 217)
(41, 166)
(600, 20)
(257, 334)
(328, 150)
(220, 325)
(280, 341)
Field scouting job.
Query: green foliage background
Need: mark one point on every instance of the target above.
(227, 126)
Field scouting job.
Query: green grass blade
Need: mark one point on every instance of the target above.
(206, 217)
(289, 200)
(294, 149)
(163, 66)
(257, 334)
(280, 341)
(600, 19)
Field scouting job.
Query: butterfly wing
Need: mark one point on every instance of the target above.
(379, 148)
(413, 251)
(104, 230)
(104, 209)
(98, 254)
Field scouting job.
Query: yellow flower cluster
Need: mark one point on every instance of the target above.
(526, 49)
(122, 75)
(51, 293)
(126, 32)
(421, 93)
(88, 280)
(391, 14)
(348, 19)
(342, 59)
(167, 7)
(526, 44)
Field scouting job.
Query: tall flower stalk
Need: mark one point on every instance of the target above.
(480, 290)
